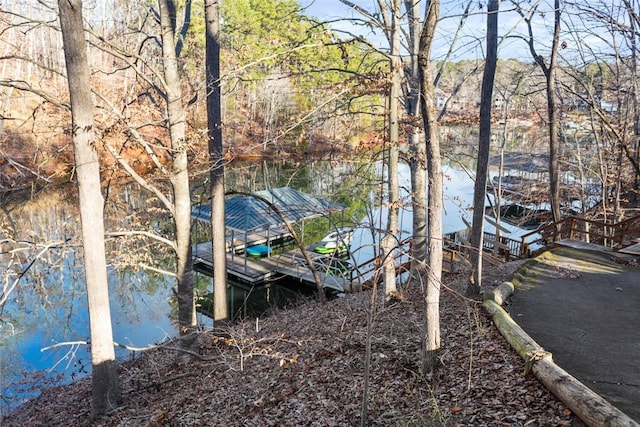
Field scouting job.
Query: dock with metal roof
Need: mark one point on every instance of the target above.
(261, 270)
(259, 219)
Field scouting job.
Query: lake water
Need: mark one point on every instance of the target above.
(48, 304)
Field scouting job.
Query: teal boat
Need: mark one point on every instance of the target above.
(258, 251)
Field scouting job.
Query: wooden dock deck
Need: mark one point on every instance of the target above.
(292, 264)
(257, 270)
(632, 249)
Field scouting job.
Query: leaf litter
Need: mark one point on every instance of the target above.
(304, 366)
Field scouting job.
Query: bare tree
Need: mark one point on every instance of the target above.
(214, 118)
(634, 24)
(105, 387)
(484, 146)
(166, 84)
(403, 97)
(608, 88)
(179, 176)
(390, 240)
(388, 21)
(431, 294)
(163, 89)
(549, 71)
(417, 157)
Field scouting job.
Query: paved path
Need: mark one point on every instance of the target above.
(584, 307)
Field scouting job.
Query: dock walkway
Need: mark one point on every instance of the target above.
(293, 264)
(258, 270)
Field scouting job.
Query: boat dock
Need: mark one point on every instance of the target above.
(255, 232)
(259, 270)
(292, 264)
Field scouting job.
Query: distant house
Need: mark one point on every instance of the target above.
(441, 98)
(609, 107)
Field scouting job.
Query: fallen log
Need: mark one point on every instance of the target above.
(589, 406)
(500, 293)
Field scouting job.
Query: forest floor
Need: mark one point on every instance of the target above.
(305, 366)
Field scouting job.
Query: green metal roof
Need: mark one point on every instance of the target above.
(250, 214)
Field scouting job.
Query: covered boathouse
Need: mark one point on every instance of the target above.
(254, 229)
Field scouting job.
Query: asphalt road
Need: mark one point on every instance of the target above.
(584, 307)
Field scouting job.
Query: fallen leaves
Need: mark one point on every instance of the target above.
(305, 367)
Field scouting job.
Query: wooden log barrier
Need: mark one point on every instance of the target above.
(590, 407)
(500, 293)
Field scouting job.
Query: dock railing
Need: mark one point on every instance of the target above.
(503, 247)
(365, 273)
(611, 235)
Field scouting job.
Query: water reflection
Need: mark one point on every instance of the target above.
(43, 282)
(42, 273)
(41, 255)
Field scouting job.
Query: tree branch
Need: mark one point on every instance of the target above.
(131, 348)
(139, 179)
(148, 234)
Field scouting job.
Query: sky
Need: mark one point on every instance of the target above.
(470, 40)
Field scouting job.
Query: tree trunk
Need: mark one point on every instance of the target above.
(105, 387)
(417, 161)
(552, 111)
(216, 160)
(484, 146)
(179, 169)
(431, 339)
(390, 240)
(418, 166)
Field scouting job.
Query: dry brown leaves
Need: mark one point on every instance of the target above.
(305, 367)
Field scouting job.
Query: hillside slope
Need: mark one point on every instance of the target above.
(304, 367)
